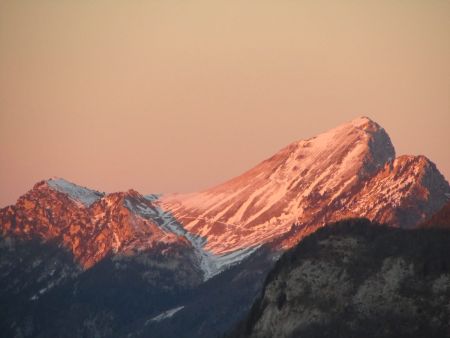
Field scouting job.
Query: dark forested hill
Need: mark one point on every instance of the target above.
(357, 279)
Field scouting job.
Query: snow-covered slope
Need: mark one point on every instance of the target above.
(210, 263)
(343, 172)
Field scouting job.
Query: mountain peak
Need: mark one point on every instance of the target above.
(362, 120)
(362, 132)
(367, 135)
(362, 125)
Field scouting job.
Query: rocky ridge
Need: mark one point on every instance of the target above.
(91, 231)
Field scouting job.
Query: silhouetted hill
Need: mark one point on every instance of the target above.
(355, 278)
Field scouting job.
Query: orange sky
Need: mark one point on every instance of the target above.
(166, 96)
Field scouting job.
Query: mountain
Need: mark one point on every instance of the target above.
(90, 224)
(357, 279)
(349, 171)
(75, 262)
(183, 263)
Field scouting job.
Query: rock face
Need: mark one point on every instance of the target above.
(441, 219)
(357, 279)
(349, 171)
(89, 224)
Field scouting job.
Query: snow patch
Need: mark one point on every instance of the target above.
(227, 260)
(165, 314)
(75, 192)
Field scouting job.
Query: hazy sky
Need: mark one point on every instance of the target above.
(178, 95)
